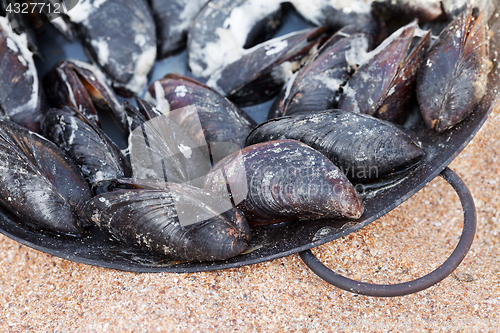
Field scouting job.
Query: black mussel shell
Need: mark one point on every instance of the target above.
(84, 87)
(262, 71)
(161, 150)
(283, 180)
(89, 147)
(408, 10)
(319, 83)
(383, 86)
(224, 28)
(454, 74)
(364, 148)
(173, 19)
(21, 96)
(120, 36)
(38, 182)
(336, 14)
(181, 221)
(221, 121)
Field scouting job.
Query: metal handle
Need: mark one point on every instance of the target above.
(401, 289)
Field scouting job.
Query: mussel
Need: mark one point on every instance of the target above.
(401, 10)
(221, 121)
(89, 147)
(319, 83)
(363, 147)
(84, 87)
(383, 87)
(120, 37)
(161, 150)
(21, 96)
(453, 78)
(283, 180)
(38, 182)
(173, 19)
(224, 28)
(259, 74)
(175, 220)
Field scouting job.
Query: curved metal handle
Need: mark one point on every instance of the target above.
(401, 289)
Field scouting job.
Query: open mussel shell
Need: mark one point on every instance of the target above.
(89, 147)
(173, 19)
(319, 83)
(259, 74)
(453, 78)
(220, 119)
(21, 95)
(120, 36)
(363, 147)
(383, 86)
(84, 87)
(179, 221)
(38, 182)
(283, 180)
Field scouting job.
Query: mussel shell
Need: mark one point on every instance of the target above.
(173, 19)
(408, 10)
(221, 120)
(283, 180)
(38, 182)
(382, 87)
(154, 220)
(224, 28)
(21, 95)
(262, 71)
(84, 87)
(318, 84)
(89, 147)
(161, 150)
(363, 147)
(120, 36)
(453, 77)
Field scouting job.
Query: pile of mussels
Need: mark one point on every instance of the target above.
(199, 173)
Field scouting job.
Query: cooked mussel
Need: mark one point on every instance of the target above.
(319, 83)
(89, 147)
(161, 150)
(84, 87)
(175, 220)
(120, 36)
(363, 147)
(407, 10)
(38, 182)
(21, 96)
(384, 86)
(453, 78)
(259, 74)
(283, 180)
(221, 121)
(173, 19)
(224, 28)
